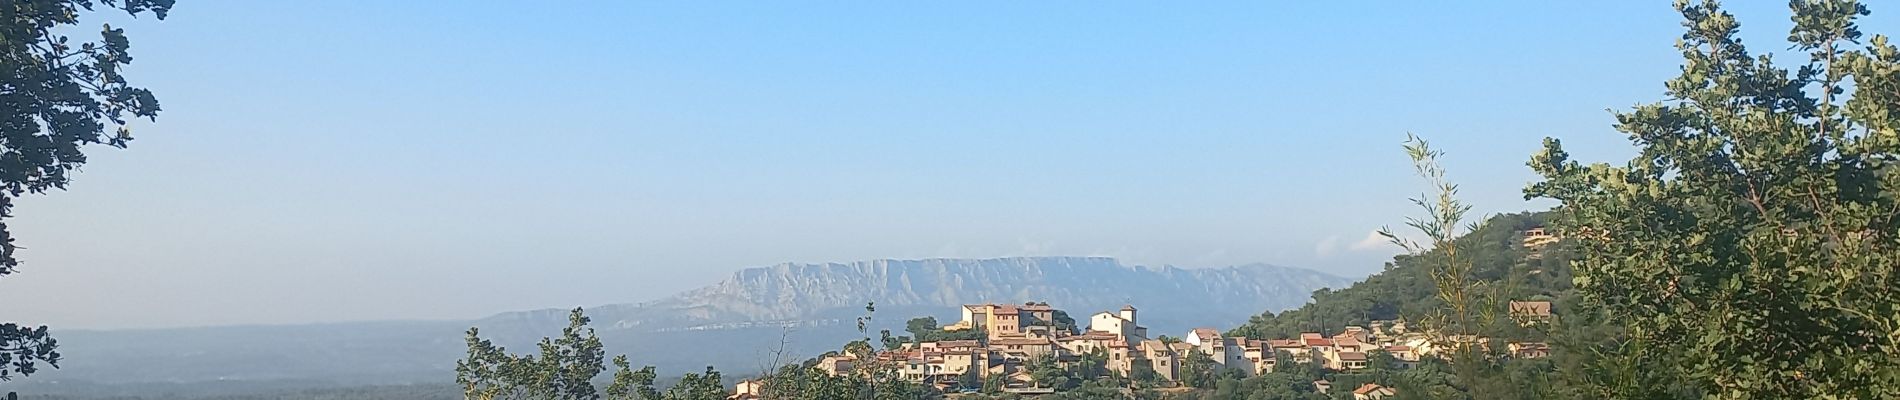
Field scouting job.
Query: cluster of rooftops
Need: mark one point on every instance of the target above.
(1014, 335)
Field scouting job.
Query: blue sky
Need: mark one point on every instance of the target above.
(328, 161)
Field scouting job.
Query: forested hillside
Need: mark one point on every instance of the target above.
(1404, 290)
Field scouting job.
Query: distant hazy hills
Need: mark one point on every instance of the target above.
(733, 324)
(1081, 285)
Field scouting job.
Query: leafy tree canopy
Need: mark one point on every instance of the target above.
(565, 369)
(1750, 247)
(58, 95)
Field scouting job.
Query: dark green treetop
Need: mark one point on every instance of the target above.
(58, 95)
(1750, 248)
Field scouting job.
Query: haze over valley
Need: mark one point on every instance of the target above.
(739, 320)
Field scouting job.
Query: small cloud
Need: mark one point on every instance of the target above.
(1327, 246)
(1373, 241)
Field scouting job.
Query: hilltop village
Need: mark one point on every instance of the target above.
(997, 344)
(1007, 338)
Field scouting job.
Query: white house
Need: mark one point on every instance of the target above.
(1123, 323)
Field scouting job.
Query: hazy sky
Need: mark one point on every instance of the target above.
(326, 161)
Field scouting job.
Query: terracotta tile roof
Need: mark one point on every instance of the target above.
(958, 344)
(1206, 333)
(1285, 343)
(1319, 342)
(1019, 341)
(1352, 356)
(1367, 388)
(1090, 335)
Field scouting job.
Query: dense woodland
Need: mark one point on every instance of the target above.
(1405, 287)
(1405, 291)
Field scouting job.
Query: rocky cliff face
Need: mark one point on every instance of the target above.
(806, 293)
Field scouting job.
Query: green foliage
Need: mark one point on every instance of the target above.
(1470, 300)
(565, 369)
(1472, 304)
(1380, 360)
(631, 384)
(1750, 248)
(23, 348)
(227, 391)
(1406, 290)
(891, 342)
(697, 386)
(60, 96)
(1049, 374)
(926, 329)
(1088, 391)
(1144, 375)
(1092, 366)
(870, 378)
(568, 363)
(1103, 390)
(1431, 379)
(993, 386)
(1199, 370)
(1481, 267)
(1292, 381)
(969, 379)
(920, 326)
(806, 382)
(1063, 322)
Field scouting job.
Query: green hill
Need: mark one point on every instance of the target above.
(1404, 290)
